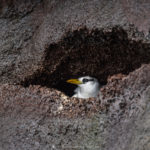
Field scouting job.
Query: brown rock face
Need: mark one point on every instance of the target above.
(44, 43)
(96, 53)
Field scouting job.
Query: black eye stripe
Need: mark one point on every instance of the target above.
(86, 80)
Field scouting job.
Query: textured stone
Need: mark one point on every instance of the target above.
(40, 118)
(43, 43)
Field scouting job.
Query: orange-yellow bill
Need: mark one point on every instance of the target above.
(74, 81)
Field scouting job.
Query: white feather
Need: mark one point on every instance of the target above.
(88, 89)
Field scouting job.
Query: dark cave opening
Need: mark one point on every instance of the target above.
(98, 53)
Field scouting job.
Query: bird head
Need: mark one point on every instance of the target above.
(82, 81)
(87, 86)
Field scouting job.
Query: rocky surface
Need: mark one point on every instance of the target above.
(44, 43)
(40, 118)
(129, 111)
(41, 37)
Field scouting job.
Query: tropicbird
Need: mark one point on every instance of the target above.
(87, 87)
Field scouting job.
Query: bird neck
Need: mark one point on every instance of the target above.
(89, 91)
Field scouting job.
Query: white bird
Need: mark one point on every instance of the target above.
(87, 87)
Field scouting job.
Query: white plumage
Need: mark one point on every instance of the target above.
(87, 87)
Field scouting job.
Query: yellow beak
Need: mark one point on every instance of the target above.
(74, 81)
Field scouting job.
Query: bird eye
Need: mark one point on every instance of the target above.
(85, 80)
